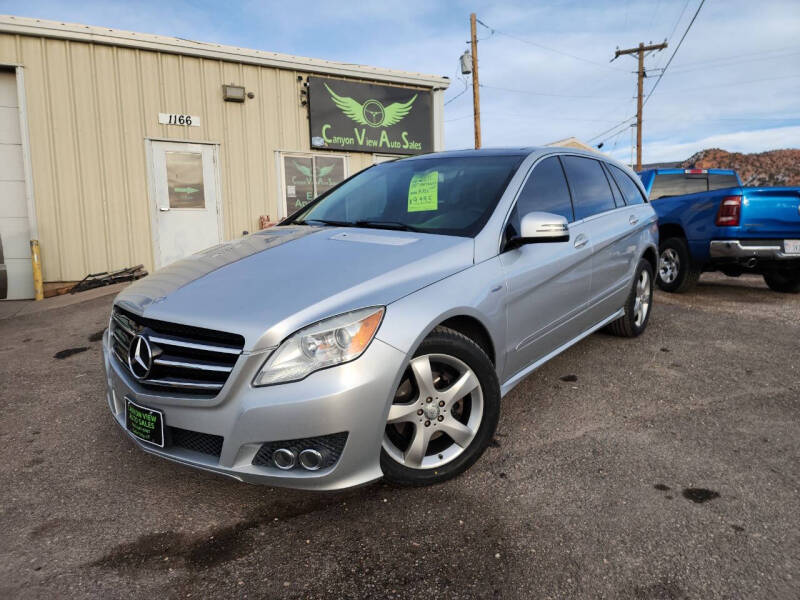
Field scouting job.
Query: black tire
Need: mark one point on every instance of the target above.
(683, 277)
(445, 341)
(786, 282)
(626, 325)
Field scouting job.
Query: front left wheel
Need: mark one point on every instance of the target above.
(444, 413)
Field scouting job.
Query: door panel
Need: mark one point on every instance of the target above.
(615, 236)
(548, 287)
(186, 215)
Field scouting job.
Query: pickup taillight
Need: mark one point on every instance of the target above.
(729, 211)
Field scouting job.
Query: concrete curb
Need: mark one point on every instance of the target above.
(20, 308)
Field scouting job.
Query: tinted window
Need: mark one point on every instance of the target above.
(721, 182)
(546, 191)
(450, 196)
(618, 200)
(631, 191)
(591, 193)
(677, 184)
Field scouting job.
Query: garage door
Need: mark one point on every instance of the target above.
(14, 233)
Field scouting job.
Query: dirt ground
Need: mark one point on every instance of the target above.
(662, 467)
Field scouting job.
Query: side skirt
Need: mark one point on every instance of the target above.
(511, 383)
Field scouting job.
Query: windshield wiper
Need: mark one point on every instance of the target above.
(366, 223)
(326, 222)
(387, 225)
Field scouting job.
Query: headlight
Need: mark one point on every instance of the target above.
(330, 342)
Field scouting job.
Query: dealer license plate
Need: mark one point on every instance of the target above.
(145, 423)
(791, 246)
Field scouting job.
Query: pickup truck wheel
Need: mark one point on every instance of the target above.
(638, 305)
(676, 273)
(787, 283)
(444, 413)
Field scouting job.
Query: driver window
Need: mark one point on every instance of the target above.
(545, 191)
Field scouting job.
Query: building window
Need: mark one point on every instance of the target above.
(306, 176)
(185, 180)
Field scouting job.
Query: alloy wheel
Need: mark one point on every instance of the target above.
(641, 303)
(436, 413)
(669, 265)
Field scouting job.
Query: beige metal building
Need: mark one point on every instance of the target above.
(120, 148)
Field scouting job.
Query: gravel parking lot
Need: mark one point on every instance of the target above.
(662, 467)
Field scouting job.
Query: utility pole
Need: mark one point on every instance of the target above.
(640, 50)
(476, 98)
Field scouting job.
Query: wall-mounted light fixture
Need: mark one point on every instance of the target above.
(233, 93)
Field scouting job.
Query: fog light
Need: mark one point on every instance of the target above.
(284, 459)
(310, 459)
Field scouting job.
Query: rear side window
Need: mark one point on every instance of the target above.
(618, 200)
(717, 181)
(631, 191)
(546, 191)
(677, 184)
(591, 193)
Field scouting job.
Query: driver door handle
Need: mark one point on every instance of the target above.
(633, 220)
(163, 208)
(581, 241)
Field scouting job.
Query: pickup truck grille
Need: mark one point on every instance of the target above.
(184, 359)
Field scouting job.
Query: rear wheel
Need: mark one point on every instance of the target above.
(786, 282)
(638, 305)
(444, 412)
(676, 273)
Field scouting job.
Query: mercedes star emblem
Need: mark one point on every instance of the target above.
(140, 357)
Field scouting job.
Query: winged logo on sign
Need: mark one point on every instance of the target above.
(371, 112)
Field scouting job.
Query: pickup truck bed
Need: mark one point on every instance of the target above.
(709, 222)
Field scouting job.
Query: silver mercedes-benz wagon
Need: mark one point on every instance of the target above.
(374, 332)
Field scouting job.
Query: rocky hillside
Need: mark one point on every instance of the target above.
(773, 168)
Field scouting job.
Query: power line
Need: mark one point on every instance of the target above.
(791, 49)
(626, 123)
(548, 48)
(677, 22)
(720, 63)
(674, 52)
(531, 93)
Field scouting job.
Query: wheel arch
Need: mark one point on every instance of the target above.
(475, 330)
(651, 255)
(668, 230)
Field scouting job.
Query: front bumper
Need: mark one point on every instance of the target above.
(764, 250)
(353, 398)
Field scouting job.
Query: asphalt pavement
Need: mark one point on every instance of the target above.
(663, 467)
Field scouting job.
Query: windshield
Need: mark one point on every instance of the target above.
(446, 195)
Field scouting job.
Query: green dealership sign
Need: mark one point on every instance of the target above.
(366, 117)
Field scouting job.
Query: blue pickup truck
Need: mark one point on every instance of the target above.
(709, 222)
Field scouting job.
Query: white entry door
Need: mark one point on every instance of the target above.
(186, 212)
(16, 275)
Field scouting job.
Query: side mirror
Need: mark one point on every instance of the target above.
(541, 227)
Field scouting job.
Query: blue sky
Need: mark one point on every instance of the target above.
(735, 83)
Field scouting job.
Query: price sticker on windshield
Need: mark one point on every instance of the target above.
(423, 192)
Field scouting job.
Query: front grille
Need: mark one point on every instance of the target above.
(204, 443)
(330, 446)
(185, 359)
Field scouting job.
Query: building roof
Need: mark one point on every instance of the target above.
(173, 45)
(573, 142)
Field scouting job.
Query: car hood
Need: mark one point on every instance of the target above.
(269, 284)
